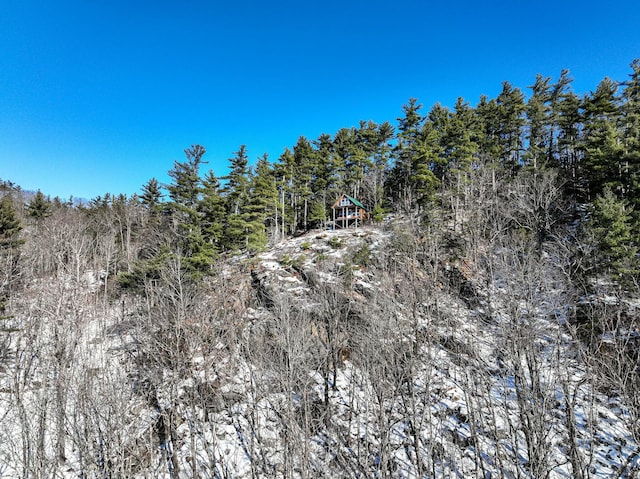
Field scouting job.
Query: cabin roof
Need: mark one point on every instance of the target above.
(355, 202)
(352, 199)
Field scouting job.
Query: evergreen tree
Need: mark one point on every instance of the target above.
(510, 103)
(303, 159)
(461, 150)
(429, 162)
(264, 193)
(568, 118)
(407, 141)
(9, 225)
(236, 194)
(261, 208)
(318, 212)
(235, 232)
(236, 188)
(343, 148)
(211, 209)
(611, 224)
(461, 139)
(361, 160)
(10, 242)
(58, 204)
(488, 117)
(602, 144)
(151, 195)
(324, 178)
(433, 149)
(560, 101)
(538, 111)
(39, 207)
(382, 154)
(186, 192)
(284, 172)
(199, 254)
(631, 136)
(406, 155)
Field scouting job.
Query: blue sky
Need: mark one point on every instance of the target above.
(99, 96)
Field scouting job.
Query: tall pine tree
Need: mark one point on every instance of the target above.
(39, 207)
(511, 106)
(236, 194)
(631, 137)
(602, 143)
(401, 180)
(261, 208)
(538, 112)
(10, 243)
(212, 211)
(186, 192)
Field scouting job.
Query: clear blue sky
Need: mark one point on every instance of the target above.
(99, 96)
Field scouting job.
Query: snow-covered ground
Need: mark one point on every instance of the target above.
(334, 358)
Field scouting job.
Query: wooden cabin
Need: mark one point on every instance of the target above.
(348, 211)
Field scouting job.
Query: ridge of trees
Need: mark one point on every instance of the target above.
(593, 142)
(427, 160)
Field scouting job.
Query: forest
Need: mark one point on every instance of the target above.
(482, 323)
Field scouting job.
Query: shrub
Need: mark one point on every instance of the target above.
(362, 256)
(335, 242)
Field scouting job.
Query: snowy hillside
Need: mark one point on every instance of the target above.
(371, 352)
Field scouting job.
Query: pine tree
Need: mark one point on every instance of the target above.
(261, 207)
(432, 148)
(10, 227)
(461, 150)
(378, 174)
(361, 160)
(151, 195)
(284, 171)
(186, 192)
(560, 101)
(568, 118)
(406, 154)
(10, 243)
(510, 103)
(303, 158)
(211, 209)
(236, 188)
(429, 162)
(236, 194)
(631, 137)
(324, 178)
(39, 207)
(461, 139)
(318, 213)
(488, 117)
(342, 150)
(538, 112)
(200, 254)
(408, 136)
(611, 224)
(602, 146)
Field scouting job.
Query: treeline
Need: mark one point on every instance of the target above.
(426, 161)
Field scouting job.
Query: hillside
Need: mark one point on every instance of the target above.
(476, 315)
(369, 352)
